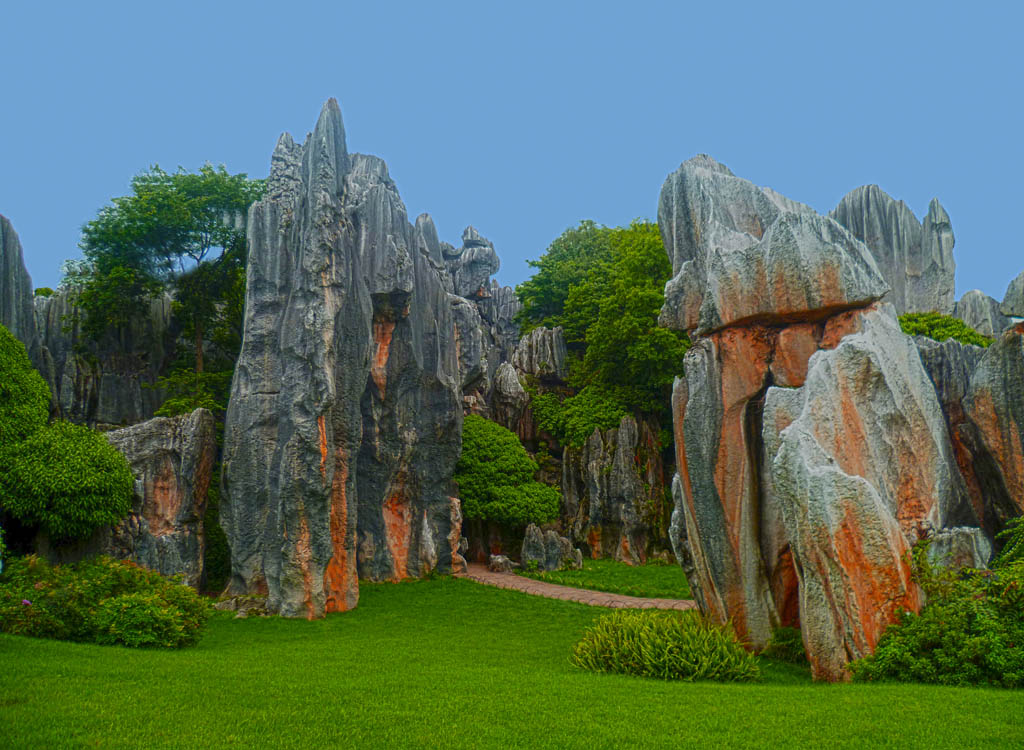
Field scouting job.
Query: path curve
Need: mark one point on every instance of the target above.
(480, 574)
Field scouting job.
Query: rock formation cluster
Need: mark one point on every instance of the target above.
(811, 444)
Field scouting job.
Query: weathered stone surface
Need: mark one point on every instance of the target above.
(994, 404)
(548, 551)
(960, 547)
(915, 258)
(172, 461)
(613, 492)
(109, 383)
(726, 236)
(981, 313)
(472, 265)
(16, 311)
(500, 564)
(542, 354)
(344, 423)
(1013, 302)
(864, 469)
(510, 398)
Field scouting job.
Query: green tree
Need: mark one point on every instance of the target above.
(495, 477)
(24, 395)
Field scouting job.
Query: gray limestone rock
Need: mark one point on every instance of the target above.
(500, 564)
(542, 354)
(960, 547)
(1013, 302)
(548, 551)
(344, 423)
(915, 258)
(16, 311)
(613, 492)
(981, 313)
(472, 266)
(726, 236)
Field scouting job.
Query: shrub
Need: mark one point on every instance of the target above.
(970, 632)
(100, 601)
(666, 645)
(44, 291)
(495, 476)
(66, 479)
(941, 327)
(24, 395)
(1013, 547)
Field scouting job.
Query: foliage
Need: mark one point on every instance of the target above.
(217, 555)
(44, 291)
(667, 645)
(55, 694)
(188, 390)
(102, 601)
(656, 579)
(24, 395)
(1013, 547)
(66, 479)
(969, 633)
(495, 477)
(163, 235)
(941, 327)
(787, 644)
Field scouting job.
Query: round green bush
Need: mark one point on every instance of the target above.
(24, 395)
(941, 327)
(101, 600)
(667, 645)
(495, 477)
(66, 479)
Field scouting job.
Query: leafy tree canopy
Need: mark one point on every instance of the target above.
(941, 327)
(495, 477)
(24, 395)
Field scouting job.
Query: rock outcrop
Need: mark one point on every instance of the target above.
(344, 423)
(542, 354)
(981, 313)
(1012, 305)
(546, 550)
(810, 443)
(111, 382)
(16, 311)
(613, 491)
(915, 258)
(172, 462)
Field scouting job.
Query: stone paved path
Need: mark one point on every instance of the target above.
(481, 574)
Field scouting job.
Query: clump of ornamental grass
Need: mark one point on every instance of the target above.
(666, 645)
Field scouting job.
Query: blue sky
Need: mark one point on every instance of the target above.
(524, 118)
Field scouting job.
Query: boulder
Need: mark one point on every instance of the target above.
(981, 313)
(344, 424)
(500, 564)
(915, 258)
(548, 551)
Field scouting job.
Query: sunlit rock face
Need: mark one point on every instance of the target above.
(344, 424)
(914, 257)
(811, 446)
(981, 313)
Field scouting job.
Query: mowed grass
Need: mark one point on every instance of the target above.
(449, 663)
(657, 581)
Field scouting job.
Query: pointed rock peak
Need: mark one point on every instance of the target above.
(331, 126)
(937, 213)
(472, 238)
(703, 161)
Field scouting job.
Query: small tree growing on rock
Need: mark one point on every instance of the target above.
(495, 476)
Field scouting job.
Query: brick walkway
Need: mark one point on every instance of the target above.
(481, 574)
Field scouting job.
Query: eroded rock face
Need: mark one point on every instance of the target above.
(344, 424)
(915, 258)
(810, 444)
(172, 461)
(112, 382)
(1013, 302)
(981, 313)
(546, 550)
(541, 353)
(613, 491)
(16, 311)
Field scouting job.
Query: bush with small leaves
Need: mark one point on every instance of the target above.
(941, 327)
(24, 395)
(666, 645)
(65, 479)
(102, 600)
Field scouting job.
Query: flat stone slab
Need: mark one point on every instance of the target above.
(481, 574)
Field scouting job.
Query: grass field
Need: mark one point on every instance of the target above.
(655, 581)
(449, 663)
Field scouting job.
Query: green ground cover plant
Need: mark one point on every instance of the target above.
(105, 601)
(941, 327)
(970, 632)
(450, 663)
(654, 580)
(666, 645)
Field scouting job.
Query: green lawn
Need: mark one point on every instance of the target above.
(656, 581)
(449, 663)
